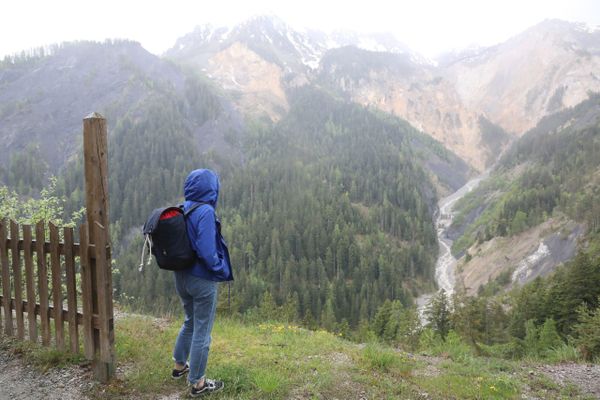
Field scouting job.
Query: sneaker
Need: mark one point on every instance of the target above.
(210, 386)
(179, 373)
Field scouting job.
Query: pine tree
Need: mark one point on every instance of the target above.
(586, 333)
(549, 338)
(438, 314)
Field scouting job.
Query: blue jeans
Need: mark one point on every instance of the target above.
(199, 299)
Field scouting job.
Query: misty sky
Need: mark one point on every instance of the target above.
(429, 27)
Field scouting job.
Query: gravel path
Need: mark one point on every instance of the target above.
(584, 376)
(19, 381)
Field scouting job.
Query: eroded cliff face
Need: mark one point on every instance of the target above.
(473, 102)
(416, 93)
(547, 68)
(522, 258)
(430, 104)
(255, 83)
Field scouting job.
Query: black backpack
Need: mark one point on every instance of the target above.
(166, 238)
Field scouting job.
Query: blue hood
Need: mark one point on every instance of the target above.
(202, 185)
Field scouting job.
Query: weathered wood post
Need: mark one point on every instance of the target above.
(96, 192)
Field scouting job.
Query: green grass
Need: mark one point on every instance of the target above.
(39, 356)
(564, 353)
(278, 361)
(475, 378)
(281, 361)
(265, 361)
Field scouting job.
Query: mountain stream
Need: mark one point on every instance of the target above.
(446, 262)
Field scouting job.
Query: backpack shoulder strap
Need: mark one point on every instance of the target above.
(192, 208)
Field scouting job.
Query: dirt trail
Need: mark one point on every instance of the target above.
(20, 381)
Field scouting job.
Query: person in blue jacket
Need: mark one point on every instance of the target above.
(197, 286)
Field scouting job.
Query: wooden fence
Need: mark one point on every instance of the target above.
(40, 271)
(53, 277)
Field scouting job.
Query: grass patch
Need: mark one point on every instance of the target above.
(268, 382)
(41, 357)
(377, 357)
(472, 387)
(265, 361)
(453, 347)
(563, 353)
(281, 361)
(144, 348)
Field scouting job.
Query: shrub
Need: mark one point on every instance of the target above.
(587, 332)
(531, 341)
(453, 347)
(549, 338)
(510, 351)
(563, 353)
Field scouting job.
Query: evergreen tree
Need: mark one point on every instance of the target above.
(587, 332)
(438, 314)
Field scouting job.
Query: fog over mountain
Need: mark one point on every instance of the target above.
(474, 102)
(458, 100)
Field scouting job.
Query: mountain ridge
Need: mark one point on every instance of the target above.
(450, 112)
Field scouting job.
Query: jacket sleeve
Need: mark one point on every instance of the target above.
(205, 243)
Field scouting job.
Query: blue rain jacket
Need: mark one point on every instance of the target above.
(203, 227)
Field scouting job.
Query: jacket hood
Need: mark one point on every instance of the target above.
(202, 185)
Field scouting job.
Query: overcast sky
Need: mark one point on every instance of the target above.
(429, 27)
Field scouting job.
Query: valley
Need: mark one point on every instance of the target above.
(415, 217)
(446, 262)
(445, 265)
(239, 98)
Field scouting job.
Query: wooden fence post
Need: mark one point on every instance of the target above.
(18, 282)
(8, 320)
(71, 290)
(57, 302)
(95, 151)
(29, 282)
(40, 240)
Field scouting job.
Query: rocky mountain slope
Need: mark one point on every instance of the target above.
(396, 84)
(538, 206)
(467, 102)
(167, 120)
(44, 98)
(550, 66)
(257, 60)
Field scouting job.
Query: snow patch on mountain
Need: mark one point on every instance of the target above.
(583, 27)
(305, 46)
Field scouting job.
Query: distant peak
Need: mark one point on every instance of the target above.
(559, 25)
(265, 19)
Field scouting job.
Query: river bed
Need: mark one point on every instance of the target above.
(446, 262)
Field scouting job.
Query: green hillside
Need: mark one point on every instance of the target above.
(329, 211)
(331, 214)
(553, 171)
(553, 168)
